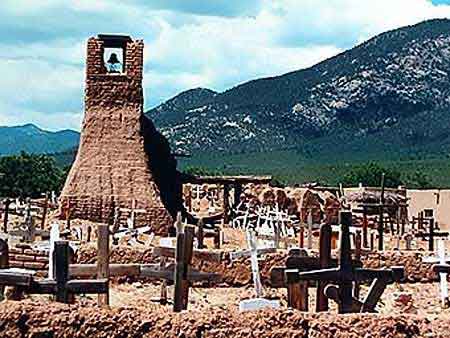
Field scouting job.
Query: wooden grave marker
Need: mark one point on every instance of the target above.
(345, 274)
(61, 286)
(431, 234)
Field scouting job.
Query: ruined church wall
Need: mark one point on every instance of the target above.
(112, 168)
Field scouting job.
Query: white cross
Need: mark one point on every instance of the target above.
(441, 259)
(251, 241)
(54, 236)
(259, 302)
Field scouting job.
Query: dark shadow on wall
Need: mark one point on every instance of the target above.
(163, 166)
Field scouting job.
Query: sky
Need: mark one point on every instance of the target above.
(215, 44)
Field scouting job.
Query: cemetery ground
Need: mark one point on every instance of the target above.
(407, 309)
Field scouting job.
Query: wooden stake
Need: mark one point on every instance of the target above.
(189, 234)
(44, 212)
(61, 270)
(179, 266)
(103, 261)
(6, 215)
(4, 262)
(200, 234)
(324, 261)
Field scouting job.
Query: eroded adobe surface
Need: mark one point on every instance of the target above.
(121, 157)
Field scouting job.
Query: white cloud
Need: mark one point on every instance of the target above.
(188, 44)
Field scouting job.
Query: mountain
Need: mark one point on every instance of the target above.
(32, 139)
(388, 97)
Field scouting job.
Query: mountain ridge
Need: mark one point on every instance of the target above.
(363, 91)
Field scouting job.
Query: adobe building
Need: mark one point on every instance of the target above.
(122, 161)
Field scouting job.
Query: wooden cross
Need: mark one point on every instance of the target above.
(182, 274)
(300, 261)
(345, 274)
(431, 235)
(442, 269)
(62, 287)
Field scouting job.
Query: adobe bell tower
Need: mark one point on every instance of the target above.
(113, 166)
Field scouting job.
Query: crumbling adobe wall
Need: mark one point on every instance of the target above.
(33, 319)
(24, 257)
(238, 272)
(114, 165)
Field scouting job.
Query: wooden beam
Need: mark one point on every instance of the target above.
(15, 278)
(91, 286)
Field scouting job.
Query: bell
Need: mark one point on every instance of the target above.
(113, 59)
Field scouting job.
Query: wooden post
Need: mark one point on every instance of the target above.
(301, 237)
(297, 293)
(103, 260)
(226, 203)
(218, 238)
(44, 212)
(188, 198)
(372, 241)
(431, 236)
(69, 215)
(237, 194)
(365, 226)
(61, 270)
(179, 266)
(310, 229)
(89, 231)
(345, 261)
(116, 222)
(189, 233)
(6, 215)
(381, 222)
(324, 261)
(200, 234)
(163, 298)
(4, 262)
(356, 288)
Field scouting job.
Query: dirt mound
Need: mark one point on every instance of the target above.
(34, 319)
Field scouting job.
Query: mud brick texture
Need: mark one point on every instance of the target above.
(24, 257)
(38, 319)
(121, 156)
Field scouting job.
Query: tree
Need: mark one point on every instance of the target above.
(418, 180)
(369, 175)
(29, 175)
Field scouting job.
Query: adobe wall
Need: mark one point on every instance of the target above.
(24, 257)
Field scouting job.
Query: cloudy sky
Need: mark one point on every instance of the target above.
(189, 43)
